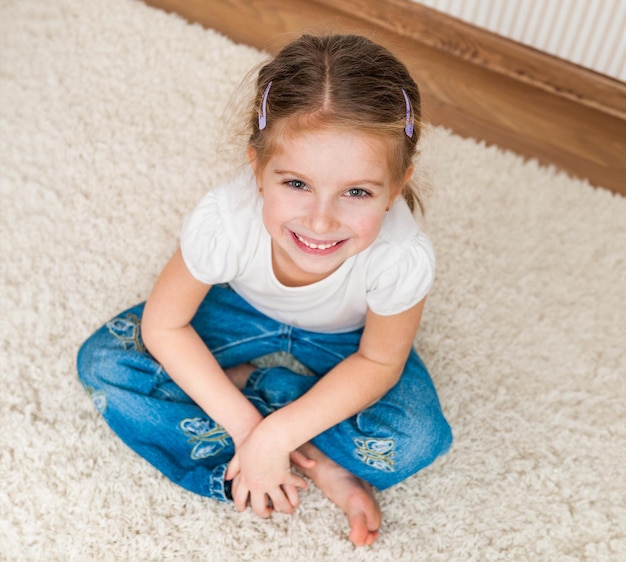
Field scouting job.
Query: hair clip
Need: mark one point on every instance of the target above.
(410, 118)
(263, 114)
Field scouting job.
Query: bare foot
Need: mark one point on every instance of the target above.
(240, 374)
(353, 495)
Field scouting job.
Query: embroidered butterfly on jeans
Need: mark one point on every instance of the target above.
(377, 453)
(208, 438)
(128, 331)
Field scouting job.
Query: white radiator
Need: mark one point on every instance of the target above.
(591, 33)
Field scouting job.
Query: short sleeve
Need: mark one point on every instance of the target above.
(402, 277)
(206, 245)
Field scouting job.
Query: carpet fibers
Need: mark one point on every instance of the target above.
(111, 128)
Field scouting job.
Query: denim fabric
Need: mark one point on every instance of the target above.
(384, 444)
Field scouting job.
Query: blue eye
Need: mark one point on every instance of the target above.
(296, 184)
(357, 192)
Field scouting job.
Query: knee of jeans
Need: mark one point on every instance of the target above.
(117, 339)
(427, 437)
(90, 368)
(409, 443)
(97, 360)
(89, 356)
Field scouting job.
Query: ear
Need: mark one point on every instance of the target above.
(407, 178)
(251, 152)
(399, 187)
(408, 174)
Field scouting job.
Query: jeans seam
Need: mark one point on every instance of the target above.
(325, 349)
(231, 345)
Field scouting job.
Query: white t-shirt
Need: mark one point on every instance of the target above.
(224, 240)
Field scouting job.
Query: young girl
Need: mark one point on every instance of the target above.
(312, 251)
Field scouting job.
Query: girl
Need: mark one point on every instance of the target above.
(312, 251)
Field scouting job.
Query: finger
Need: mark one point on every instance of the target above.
(259, 504)
(297, 481)
(233, 468)
(281, 502)
(291, 492)
(301, 460)
(240, 494)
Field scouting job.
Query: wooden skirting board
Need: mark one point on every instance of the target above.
(474, 82)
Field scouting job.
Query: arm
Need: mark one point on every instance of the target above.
(354, 384)
(168, 335)
(176, 345)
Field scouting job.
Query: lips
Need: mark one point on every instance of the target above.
(317, 244)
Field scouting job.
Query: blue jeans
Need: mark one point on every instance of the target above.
(384, 444)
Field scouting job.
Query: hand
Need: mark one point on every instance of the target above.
(291, 491)
(262, 476)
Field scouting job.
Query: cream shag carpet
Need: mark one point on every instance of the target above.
(110, 131)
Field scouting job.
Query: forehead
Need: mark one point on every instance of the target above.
(339, 149)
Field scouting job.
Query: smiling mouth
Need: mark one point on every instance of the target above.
(316, 245)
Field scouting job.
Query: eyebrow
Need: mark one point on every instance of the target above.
(294, 174)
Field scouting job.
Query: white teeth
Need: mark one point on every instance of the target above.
(314, 246)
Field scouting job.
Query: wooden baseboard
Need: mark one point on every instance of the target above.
(474, 82)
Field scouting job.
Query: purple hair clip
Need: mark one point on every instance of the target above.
(410, 119)
(263, 114)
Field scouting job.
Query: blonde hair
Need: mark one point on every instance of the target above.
(338, 81)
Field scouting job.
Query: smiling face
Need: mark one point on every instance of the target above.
(325, 194)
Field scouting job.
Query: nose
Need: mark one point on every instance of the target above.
(322, 216)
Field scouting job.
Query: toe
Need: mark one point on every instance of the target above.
(358, 529)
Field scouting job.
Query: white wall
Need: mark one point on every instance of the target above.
(591, 33)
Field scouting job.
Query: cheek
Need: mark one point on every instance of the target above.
(367, 227)
(268, 218)
(273, 214)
